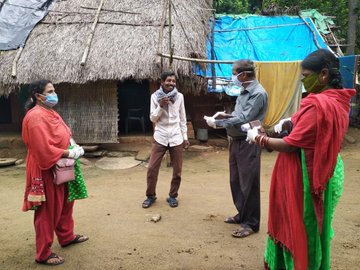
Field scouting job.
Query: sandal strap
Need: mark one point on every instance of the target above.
(172, 201)
(149, 201)
(241, 233)
(53, 256)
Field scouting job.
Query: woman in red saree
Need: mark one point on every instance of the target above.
(308, 175)
(47, 139)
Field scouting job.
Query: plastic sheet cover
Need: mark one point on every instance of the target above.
(349, 70)
(18, 18)
(260, 38)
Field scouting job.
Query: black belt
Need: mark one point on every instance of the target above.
(238, 138)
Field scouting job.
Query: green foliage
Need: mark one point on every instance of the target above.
(231, 6)
(237, 6)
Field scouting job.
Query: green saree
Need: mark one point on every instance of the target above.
(277, 256)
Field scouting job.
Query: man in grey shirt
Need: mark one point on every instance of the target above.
(244, 158)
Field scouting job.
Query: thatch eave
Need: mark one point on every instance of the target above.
(118, 52)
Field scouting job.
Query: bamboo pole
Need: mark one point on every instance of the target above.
(159, 61)
(170, 35)
(259, 27)
(338, 49)
(182, 27)
(88, 43)
(213, 70)
(15, 62)
(104, 22)
(196, 60)
(112, 10)
(312, 31)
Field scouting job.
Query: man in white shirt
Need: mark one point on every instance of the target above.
(167, 112)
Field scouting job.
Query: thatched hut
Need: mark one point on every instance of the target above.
(121, 68)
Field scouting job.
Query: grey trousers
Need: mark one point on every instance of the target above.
(244, 161)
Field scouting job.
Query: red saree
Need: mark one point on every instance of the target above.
(46, 136)
(319, 128)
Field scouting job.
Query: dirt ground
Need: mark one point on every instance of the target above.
(192, 236)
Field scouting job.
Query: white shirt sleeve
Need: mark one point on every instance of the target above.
(183, 121)
(155, 109)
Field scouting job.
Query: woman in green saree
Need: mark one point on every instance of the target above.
(308, 175)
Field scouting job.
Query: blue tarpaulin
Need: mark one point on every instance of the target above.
(260, 38)
(348, 69)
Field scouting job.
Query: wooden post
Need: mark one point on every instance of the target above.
(88, 43)
(159, 61)
(170, 35)
(213, 71)
(196, 60)
(16, 60)
(338, 49)
(353, 6)
(312, 31)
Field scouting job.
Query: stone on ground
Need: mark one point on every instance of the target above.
(90, 148)
(110, 163)
(350, 139)
(143, 155)
(201, 148)
(19, 161)
(7, 161)
(120, 154)
(95, 154)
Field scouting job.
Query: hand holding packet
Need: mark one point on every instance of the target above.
(210, 120)
(251, 125)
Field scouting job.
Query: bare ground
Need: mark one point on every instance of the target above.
(192, 236)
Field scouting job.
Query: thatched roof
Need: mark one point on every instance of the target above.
(124, 44)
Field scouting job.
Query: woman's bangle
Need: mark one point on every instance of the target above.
(266, 144)
(257, 139)
(263, 140)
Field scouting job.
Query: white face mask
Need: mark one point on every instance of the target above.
(235, 80)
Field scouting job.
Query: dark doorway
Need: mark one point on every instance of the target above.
(134, 107)
(5, 110)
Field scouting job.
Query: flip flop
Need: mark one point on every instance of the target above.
(245, 232)
(172, 202)
(148, 202)
(78, 239)
(230, 220)
(52, 256)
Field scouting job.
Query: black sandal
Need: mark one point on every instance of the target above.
(148, 202)
(78, 239)
(52, 256)
(230, 220)
(243, 232)
(172, 202)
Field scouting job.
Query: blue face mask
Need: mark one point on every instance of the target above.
(51, 100)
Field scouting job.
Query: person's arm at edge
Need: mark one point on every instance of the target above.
(183, 122)
(280, 145)
(251, 109)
